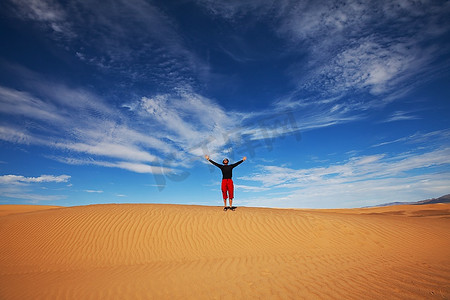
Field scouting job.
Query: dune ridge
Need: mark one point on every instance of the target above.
(145, 251)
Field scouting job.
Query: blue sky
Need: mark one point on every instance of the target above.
(335, 103)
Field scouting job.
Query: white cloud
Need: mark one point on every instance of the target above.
(438, 137)
(41, 10)
(32, 198)
(46, 12)
(359, 194)
(352, 48)
(22, 187)
(129, 166)
(14, 102)
(94, 191)
(19, 179)
(363, 180)
(379, 47)
(356, 169)
(250, 188)
(400, 116)
(198, 126)
(378, 64)
(235, 9)
(141, 168)
(78, 121)
(175, 116)
(168, 131)
(14, 135)
(109, 149)
(188, 120)
(132, 37)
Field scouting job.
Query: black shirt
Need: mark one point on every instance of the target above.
(226, 169)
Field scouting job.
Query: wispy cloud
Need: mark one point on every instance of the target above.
(364, 193)
(14, 135)
(94, 191)
(19, 179)
(77, 121)
(134, 38)
(438, 137)
(376, 64)
(188, 120)
(168, 131)
(30, 197)
(352, 52)
(18, 103)
(30, 188)
(48, 13)
(356, 169)
(363, 179)
(400, 116)
(355, 51)
(165, 132)
(251, 188)
(129, 166)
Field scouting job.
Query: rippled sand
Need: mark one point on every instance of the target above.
(139, 251)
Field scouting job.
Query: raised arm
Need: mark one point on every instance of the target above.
(213, 162)
(239, 162)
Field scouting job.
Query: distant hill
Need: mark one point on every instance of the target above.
(443, 199)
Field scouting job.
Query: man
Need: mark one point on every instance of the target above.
(227, 182)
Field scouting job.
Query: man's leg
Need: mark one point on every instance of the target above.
(231, 191)
(224, 193)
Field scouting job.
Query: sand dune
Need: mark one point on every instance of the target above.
(18, 209)
(193, 252)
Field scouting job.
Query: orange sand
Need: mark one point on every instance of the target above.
(139, 251)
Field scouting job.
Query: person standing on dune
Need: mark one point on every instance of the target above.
(227, 182)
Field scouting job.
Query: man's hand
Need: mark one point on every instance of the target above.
(245, 157)
(207, 157)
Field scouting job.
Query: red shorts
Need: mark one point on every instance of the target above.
(227, 187)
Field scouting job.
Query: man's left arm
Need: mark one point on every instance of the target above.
(239, 162)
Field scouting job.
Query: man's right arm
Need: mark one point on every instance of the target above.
(213, 162)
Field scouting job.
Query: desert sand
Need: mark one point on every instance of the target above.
(140, 251)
